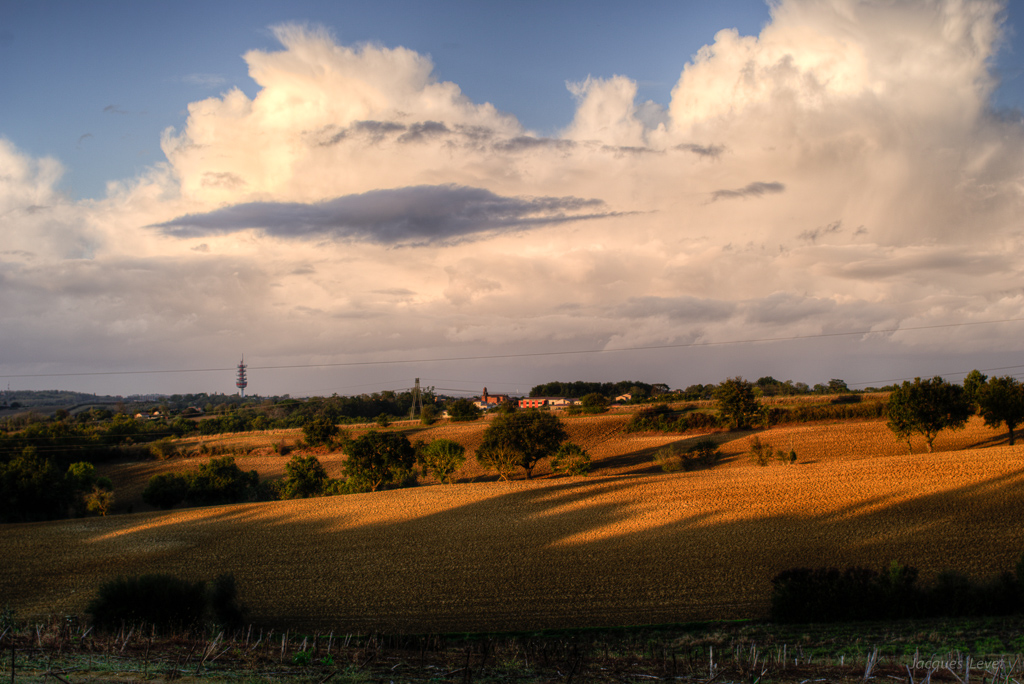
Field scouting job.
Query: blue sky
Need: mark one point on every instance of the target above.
(317, 184)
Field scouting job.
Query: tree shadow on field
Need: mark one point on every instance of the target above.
(600, 551)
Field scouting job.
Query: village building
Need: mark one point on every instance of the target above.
(491, 400)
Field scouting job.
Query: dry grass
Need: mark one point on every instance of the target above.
(628, 545)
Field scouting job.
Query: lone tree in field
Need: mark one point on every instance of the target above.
(737, 403)
(927, 407)
(379, 459)
(1002, 401)
(525, 436)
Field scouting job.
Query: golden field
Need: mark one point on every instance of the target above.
(627, 545)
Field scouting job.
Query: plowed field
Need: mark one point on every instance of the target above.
(627, 545)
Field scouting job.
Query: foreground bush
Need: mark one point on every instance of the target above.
(856, 593)
(166, 602)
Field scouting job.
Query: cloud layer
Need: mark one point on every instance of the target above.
(843, 170)
(424, 214)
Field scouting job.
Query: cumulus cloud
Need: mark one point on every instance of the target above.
(841, 170)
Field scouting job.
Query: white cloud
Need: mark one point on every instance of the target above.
(842, 170)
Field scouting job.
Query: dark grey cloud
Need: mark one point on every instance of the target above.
(420, 214)
(374, 130)
(525, 143)
(755, 189)
(84, 137)
(113, 109)
(421, 131)
(813, 235)
(713, 151)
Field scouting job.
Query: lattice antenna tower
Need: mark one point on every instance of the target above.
(417, 401)
(241, 383)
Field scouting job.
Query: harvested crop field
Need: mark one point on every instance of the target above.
(628, 545)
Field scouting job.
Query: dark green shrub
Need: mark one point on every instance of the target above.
(760, 453)
(164, 601)
(705, 452)
(441, 458)
(571, 459)
(223, 607)
(166, 490)
(222, 481)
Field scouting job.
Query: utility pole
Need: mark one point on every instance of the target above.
(417, 401)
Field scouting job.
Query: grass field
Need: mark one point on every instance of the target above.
(627, 545)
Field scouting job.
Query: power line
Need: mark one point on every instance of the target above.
(522, 355)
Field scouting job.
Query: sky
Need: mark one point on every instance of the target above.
(354, 195)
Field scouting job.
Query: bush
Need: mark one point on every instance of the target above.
(705, 452)
(164, 601)
(676, 457)
(223, 607)
(671, 458)
(571, 459)
(442, 458)
(760, 453)
(166, 490)
(222, 481)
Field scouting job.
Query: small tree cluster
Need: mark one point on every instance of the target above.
(216, 482)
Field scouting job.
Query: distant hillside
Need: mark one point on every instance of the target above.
(33, 398)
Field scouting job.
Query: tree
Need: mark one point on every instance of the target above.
(378, 459)
(1002, 401)
(594, 403)
(32, 488)
(973, 383)
(166, 490)
(737, 403)
(304, 477)
(462, 410)
(927, 407)
(528, 435)
(222, 481)
(319, 431)
(442, 458)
